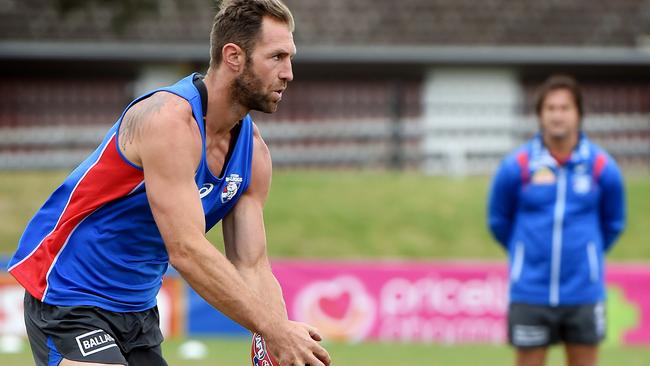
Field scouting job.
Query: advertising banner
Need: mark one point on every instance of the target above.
(171, 306)
(397, 301)
(441, 302)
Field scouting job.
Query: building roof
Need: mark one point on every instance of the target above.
(335, 27)
(169, 21)
(470, 22)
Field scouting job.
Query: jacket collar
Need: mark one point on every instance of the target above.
(540, 156)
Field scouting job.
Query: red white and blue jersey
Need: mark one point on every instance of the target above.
(95, 242)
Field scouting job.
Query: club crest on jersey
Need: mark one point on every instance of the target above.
(581, 183)
(233, 182)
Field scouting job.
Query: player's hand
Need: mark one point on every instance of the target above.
(296, 344)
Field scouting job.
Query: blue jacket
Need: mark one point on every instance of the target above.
(557, 221)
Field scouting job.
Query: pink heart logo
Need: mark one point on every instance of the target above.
(335, 307)
(341, 308)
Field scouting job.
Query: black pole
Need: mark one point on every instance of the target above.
(397, 107)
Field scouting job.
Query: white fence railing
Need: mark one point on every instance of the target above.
(453, 146)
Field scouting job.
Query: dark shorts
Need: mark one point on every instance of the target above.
(531, 326)
(90, 334)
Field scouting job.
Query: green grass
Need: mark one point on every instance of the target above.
(360, 215)
(236, 353)
(343, 214)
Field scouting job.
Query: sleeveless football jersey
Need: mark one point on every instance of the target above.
(94, 241)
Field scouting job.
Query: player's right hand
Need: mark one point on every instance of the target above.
(296, 344)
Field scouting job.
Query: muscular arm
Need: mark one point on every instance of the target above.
(245, 243)
(244, 235)
(166, 142)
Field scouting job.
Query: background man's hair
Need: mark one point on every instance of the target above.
(240, 22)
(555, 82)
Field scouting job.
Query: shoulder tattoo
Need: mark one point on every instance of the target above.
(134, 121)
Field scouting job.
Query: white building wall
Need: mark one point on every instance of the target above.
(154, 76)
(469, 115)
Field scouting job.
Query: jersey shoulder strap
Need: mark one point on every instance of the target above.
(197, 80)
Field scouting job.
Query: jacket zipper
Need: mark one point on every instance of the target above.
(556, 255)
(593, 261)
(517, 262)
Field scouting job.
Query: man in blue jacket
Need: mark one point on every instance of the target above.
(557, 206)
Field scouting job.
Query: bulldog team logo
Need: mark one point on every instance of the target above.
(581, 183)
(581, 179)
(233, 182)
(340, 308)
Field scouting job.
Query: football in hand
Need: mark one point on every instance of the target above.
(259, 353)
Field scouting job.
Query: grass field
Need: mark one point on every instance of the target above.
(235, 353)
(343, 214)
(360, 215)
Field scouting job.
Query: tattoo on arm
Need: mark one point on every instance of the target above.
(133, 122)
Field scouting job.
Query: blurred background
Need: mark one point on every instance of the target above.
(383, 148)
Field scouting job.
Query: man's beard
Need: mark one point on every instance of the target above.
(557, 133)
(246, 90)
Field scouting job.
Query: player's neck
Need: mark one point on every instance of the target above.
(561, 147)
(223, 115)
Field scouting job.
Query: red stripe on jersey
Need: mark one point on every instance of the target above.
(599, 165)
(108, 179)
(522, 160)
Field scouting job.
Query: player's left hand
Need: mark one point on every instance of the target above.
(260, 355)
(292, 344)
